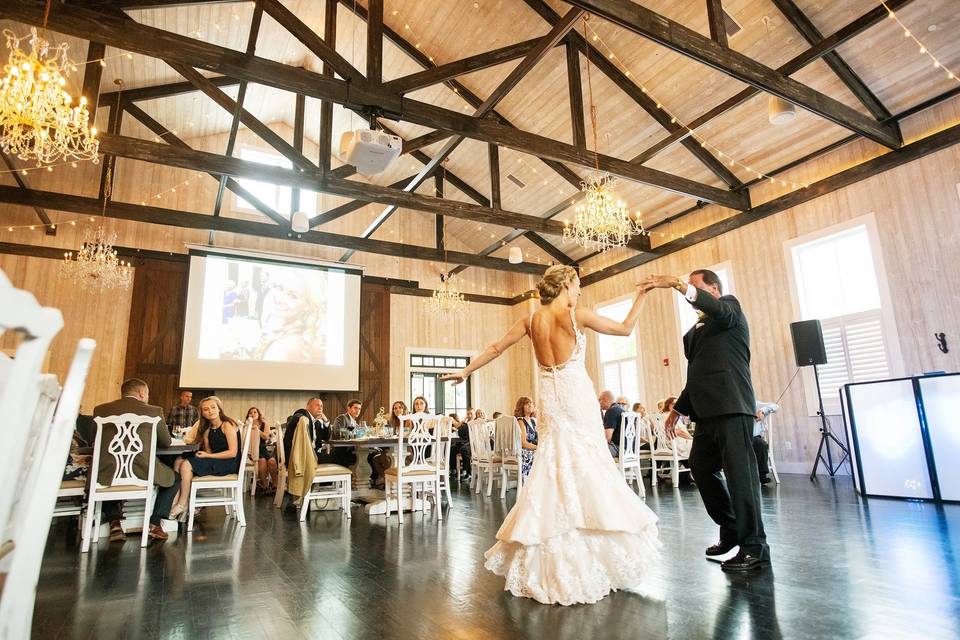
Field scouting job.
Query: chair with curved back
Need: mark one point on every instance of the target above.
(441, 454)
(662, 449)
(414, 440)
(634, 430)
(482, 456)
(507, 448)
(125, 445)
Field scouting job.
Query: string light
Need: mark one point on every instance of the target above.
(706, 144)
(924, 51)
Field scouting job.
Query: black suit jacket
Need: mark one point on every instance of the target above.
(321, 431)
(718, 354)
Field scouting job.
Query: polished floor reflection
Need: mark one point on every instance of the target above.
(842, 568)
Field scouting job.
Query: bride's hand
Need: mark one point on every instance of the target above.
(456, 378)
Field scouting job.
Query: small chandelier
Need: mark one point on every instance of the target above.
(603, 222)
(38, 118)
(447, 299)
(96, 267)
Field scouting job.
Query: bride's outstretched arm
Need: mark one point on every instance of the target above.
(590, 318)
(510, 338)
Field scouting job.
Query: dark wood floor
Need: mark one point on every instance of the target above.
(843, 568)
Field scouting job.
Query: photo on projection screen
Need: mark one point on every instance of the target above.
(255, 323)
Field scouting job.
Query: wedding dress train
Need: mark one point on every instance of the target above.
(577, 531)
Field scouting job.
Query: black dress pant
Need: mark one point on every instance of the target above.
(762, 451)
(725, 443)
(162, 503)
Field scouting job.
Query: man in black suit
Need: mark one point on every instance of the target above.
(719, 398)
(320, 431)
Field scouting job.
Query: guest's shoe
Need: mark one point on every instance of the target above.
(744, 562)
(157, 533)
(116, 532)
(177, 512)
(765, 479)
(720, 549)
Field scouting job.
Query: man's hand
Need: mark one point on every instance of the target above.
(662, 282)
(670, 426)
(456, 378)
(758, 417)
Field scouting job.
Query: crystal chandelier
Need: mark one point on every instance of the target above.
(96, 267)
(447, 299)
(38, 118)
(603, 222)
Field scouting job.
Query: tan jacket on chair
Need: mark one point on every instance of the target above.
(163, 475)
(303, 461)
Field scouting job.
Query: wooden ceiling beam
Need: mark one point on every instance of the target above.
(185, 158)
(92, 72)
(309, 38)
(796, 17)
(718, 28)
(548, 248)
(915, 150)
(156, 42)
(348, 207)
(228, 183)
(374, 42)
(49, 228)
(545, 44)
(325, 137)
(575, 93)
(444, 72)
(640, 97)
(188, 220)
(798, 62)
(688, 42)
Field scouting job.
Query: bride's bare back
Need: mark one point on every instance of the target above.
(553, 336)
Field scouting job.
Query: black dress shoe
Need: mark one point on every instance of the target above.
(720, 549)
(765, 479)
(744, 562)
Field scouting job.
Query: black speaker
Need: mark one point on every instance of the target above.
(808, 343)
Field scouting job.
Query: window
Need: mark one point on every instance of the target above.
(619, 356)
(442, 397)
(837, 283)
(273, 195)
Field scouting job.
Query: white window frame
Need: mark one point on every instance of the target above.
(641, 387)
(887, 316)
(475, 395)
(242, 206)
(730, 288)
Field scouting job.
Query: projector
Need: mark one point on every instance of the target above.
(369, 151)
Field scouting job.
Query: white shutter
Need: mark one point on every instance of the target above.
(628, 381)
(856, 352)
(611, 377)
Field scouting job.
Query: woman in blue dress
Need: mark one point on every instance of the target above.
(219, 454)
(525, 413)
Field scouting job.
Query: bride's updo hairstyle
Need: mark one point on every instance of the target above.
(555, 280)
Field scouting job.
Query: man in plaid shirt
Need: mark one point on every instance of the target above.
(184, 414)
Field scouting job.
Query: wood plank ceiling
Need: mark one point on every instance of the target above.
(611, 60)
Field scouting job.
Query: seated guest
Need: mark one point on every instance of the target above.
(611, 421)
(462, 446)
(420, 405)
(497, 414)
(266, 463)
(623, 402)
(454, 421)
(135, 394)
(78, 466)
(527, 422)
(760, 446)
(320, 426)
(219, 454)
(181, 417)
(684, 440)
(636, 407)
(342, 426)
(397, 410)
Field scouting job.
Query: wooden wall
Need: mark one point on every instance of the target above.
(917, 211)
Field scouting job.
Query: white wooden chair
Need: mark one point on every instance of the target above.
(414, 439)
(330, 481)
(484, 462)
(37, 498)
(221, 491)
(507, 449)
(766, 425)
(125, 445)
(67, 495)
(441, 455)
(634, 431)
(664, 450)
(19, 383)
(281, 468)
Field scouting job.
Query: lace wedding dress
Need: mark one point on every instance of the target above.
(577, 531)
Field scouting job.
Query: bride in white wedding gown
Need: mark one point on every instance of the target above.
(577, 531)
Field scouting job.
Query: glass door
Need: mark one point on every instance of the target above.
(442, 397)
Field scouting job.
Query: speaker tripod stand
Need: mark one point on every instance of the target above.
(826, 436)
